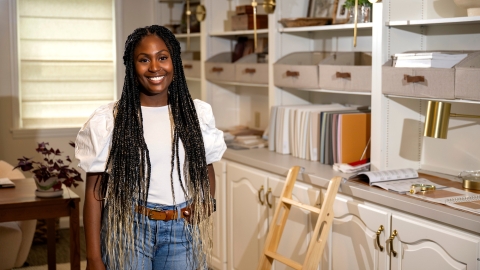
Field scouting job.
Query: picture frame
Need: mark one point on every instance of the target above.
(341, 15)
(194, 23)
(321, 8)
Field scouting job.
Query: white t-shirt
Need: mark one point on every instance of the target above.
(92, 146)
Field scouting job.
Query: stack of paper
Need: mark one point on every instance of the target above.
(428, 60)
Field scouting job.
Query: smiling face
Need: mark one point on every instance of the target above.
(154, 69)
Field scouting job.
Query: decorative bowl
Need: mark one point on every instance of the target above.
(300, 22)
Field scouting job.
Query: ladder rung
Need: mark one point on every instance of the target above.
(301, 205)
(284, 260)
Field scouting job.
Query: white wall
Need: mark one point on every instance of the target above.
(130, 14)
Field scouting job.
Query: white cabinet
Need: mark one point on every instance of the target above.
(219, 252)
(251, 198)
(366, 236)
(247, 216)
(421, 244)
(358, 236)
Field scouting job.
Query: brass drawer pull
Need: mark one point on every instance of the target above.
(260, 195)
(293, 73)
(413, 79)
(344, 75)
(266, 197)
(379, 231)
(187, 66)
(250, 70)
(217, 69)
(391, 243)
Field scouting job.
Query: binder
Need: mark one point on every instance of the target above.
(355, 133)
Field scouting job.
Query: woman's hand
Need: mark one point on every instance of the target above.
(96, 264)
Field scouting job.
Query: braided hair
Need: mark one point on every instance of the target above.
(127, 174)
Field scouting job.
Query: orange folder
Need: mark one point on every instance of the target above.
(355, 133)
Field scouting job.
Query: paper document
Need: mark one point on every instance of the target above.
(6, 183)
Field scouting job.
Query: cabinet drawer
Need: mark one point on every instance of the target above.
(191, 68)
(298, 70)
(220, 68)
(248, 70)
(418, 82)
(346, 71)
(467, 78)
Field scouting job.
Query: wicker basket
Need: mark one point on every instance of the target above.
(299, 22)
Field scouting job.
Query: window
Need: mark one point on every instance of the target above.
(66, 54)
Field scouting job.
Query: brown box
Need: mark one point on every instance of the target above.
(191, 64)
(298, 70)
(245, 9)
(467, 77)
(220, 68)
(245, 22)
(248, 70)
(418, 82)
(346, 71)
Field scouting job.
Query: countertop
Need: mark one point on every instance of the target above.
(319, 175)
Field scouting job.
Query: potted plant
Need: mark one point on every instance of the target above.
(364, 10)
(51, 172)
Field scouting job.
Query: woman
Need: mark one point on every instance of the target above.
(150, 183)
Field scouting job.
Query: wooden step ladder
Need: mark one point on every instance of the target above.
(319, 235)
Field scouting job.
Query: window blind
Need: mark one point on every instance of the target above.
(66, 52)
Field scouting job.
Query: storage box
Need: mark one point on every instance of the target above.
(249, 70)
(298, 70)
(191, 64)
(245, 22)
(245, 9)
(220, 68)
(419, 82)
(346, 71)
(467, 78)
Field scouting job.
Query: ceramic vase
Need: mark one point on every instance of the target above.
(472, 6)
(46, 188)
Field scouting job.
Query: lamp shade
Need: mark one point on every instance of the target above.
(436, 119)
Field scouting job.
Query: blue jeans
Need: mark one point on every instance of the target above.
(162, 244)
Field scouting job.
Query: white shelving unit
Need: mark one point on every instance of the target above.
(396, 123)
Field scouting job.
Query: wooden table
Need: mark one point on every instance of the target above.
(20, 203)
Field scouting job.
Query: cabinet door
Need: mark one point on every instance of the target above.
(219, 237)
(300, 224)
(421, 244)
(353, 241)
(246, 216)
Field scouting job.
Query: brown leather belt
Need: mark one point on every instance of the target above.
(164, 215)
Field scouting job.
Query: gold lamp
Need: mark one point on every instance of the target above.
(437, 118)
(436, 126)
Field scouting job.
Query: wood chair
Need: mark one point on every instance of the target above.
(319, 235)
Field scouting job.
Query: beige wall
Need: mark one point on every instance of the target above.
(130, 14)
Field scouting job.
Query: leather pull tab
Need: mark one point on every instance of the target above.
(187, 66)
(344, 75)
(293, 73)
(250, 70)
(413, 79)
(217, 69)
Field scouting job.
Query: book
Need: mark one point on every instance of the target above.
(398, 180)
(428, 59)
(6, 183)
(453, 197)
